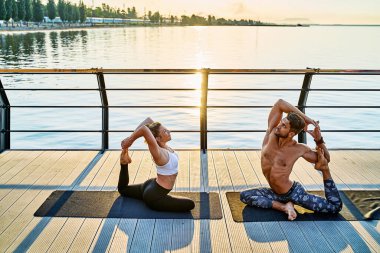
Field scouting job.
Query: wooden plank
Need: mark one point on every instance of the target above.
(352, 179)
(12, 171)
(367, 233)
(48, 236)
(29, 195)
(352, 238)
(255, 160)
(198, 176)
(97, 179)
(239, 243)
(85, 235)
(276, 237)
(248, 172)
(28, 176)
(332, 235)
(162, 236)
(219, 236)
(366, 166)
(314, 237)
(182, 180)
(24, 208)
(10, 160)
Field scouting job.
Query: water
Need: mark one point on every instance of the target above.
(189, 47)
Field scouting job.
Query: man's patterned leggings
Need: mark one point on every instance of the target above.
(263, 197)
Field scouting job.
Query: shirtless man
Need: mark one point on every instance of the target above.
(279, 153)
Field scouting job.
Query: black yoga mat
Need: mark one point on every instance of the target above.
(357, 205)
(109, 204)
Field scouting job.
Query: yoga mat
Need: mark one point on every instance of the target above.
(356, 205)
(109, 204)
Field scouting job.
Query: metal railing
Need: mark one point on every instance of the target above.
(302, 101)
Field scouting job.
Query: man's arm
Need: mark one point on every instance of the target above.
(282, 106)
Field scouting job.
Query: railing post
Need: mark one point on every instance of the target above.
(303, 100)
(105, 115)
(203, 109)
(5, 120)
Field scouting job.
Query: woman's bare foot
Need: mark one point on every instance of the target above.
(290, 211)
(124, 157)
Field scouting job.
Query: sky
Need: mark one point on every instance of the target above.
(279, 11)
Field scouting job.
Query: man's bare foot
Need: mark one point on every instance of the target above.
(290, 211)
(322, 163)
(124, 157)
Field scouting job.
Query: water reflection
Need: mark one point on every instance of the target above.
(18, 49)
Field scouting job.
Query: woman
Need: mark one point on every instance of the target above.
(154, 192)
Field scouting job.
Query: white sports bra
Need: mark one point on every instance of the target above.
(171, 167)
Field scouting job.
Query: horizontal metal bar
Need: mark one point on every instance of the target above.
(185, 89)
(94, 106)
(327, 131)
(116, 89)
(87, 131)
(190, 71)
(184, 106)
(185, 131)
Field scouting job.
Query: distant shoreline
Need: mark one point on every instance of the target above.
(45, 27)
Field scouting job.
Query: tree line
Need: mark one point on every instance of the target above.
(34, 10)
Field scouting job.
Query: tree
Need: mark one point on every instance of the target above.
(133, 12)
(21, 9)
(82, 12)
(28, 11)
(14, 11)
(8, 7)
(51, 9)
(3, 10)
(38, 14)
(75, 15)
(68, 12)
(62, 10)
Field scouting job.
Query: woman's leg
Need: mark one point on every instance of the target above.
(157, 198)
(134, 191)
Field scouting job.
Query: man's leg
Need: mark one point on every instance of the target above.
(331, 204)
(266, 198)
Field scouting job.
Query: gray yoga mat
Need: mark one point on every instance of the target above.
(357, 205)
(109, 204)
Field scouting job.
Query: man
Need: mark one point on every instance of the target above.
(279, 153)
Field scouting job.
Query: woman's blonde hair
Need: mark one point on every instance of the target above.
(154, 128)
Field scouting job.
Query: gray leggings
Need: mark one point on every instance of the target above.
(263, 197)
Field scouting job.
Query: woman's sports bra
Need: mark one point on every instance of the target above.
(171, 167)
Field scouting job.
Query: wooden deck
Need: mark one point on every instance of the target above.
(27, 178)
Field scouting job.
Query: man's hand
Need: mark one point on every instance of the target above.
(309, 121)
(316, 133)
(126, 143)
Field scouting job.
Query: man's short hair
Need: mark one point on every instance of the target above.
(297, 123)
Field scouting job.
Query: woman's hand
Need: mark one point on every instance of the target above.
(127, 142)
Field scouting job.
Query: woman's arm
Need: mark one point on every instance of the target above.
(126, 143)
(145, 122)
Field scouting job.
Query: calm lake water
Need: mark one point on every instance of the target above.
(189, 47)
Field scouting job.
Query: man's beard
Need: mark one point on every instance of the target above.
(282, 136)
